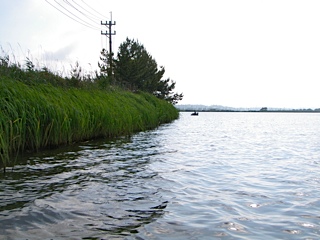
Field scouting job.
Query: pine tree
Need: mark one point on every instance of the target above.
(136, 69)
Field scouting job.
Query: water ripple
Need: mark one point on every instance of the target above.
(217, 176)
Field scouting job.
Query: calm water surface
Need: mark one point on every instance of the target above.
(215, 176)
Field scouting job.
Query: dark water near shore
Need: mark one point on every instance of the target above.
(215, 176)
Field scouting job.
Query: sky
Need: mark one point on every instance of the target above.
(235, 53)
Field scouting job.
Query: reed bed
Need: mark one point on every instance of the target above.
(38, 116)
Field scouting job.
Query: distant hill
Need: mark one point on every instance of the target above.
(217, 108)
(191, 107)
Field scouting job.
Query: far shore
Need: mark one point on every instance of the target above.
(256, 111)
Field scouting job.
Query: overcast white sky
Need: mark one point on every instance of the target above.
(236, 53)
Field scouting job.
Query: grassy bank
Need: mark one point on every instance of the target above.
(36, 116)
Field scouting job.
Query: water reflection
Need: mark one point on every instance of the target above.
(91, 189)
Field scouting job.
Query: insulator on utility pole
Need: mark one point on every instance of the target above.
(109, 34)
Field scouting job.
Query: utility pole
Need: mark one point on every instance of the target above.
(108, 33)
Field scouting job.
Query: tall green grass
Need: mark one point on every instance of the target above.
(36, 116)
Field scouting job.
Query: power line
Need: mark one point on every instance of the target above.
(81, 12)
(70, 16)
(81, 21)
(86, 23)
(94, 10)
(92, 15)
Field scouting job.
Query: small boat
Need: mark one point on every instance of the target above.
(194, 113)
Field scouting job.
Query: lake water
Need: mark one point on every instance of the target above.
(214, 176)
